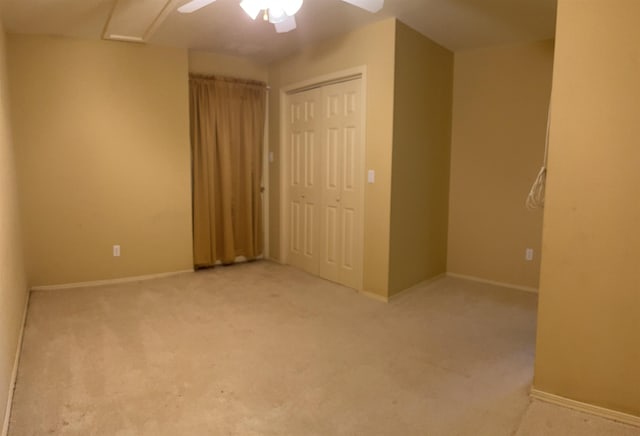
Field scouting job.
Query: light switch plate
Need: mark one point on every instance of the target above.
(528, 254)
(371, 176)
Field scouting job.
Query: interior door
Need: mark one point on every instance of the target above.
(304, 179)
(342, 183)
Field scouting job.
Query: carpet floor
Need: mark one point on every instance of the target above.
(264, 349)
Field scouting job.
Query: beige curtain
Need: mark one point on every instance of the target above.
(227, 132)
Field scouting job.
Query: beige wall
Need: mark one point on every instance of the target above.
(500, 104)
(372, 46)
(421, 149)
(102, 131)
(202, 62)
(588, 345)
(13, 284)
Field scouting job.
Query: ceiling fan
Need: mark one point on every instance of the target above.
(281, 13)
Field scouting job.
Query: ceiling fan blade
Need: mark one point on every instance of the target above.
(194, 5)
(368, 5)
(287, 25)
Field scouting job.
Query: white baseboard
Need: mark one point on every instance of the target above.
(14, 373)
(404, 291)
(108, 281)
(602, 412)
(492, 282)
(374, 296)
(422, 284)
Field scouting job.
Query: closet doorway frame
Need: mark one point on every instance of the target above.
(346, 75)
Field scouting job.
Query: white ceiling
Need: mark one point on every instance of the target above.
(223, 27)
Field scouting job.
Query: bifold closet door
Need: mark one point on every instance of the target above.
(325, 178)
(342, 179)
(303, 141)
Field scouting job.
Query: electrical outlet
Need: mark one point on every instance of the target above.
(116, 251)
(528, 254)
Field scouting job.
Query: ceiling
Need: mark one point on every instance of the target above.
(224, 28)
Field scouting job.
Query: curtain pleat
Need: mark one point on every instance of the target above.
(227, 131)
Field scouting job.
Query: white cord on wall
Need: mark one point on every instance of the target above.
(535, 199)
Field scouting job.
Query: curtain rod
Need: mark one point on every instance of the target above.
(249, 82)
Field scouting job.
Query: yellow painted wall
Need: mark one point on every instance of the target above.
(13, 284)
(421, 149)
(500, 104)
(374, 47)
(102, 132)
(588, 346)
(202, 62)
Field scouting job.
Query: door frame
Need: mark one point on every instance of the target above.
(305, 85)
(266, 191)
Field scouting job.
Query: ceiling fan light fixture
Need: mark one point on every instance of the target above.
(276, 14)
(279, 12)
(291, 7)
(286, 26)
(276, 10)
(252, 8)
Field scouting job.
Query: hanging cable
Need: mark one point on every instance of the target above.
(535, 199)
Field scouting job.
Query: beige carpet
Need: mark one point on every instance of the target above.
(262, 349)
